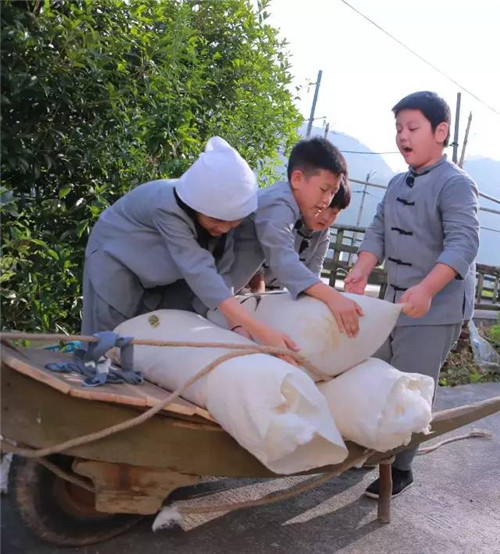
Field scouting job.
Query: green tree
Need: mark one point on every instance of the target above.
(99, 96)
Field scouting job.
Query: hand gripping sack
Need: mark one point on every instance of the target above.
(312, 326)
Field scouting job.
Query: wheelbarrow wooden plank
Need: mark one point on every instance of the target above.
(31, 362)
(446, 421)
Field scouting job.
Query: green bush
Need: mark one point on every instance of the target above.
(494, 336)
(98, 97)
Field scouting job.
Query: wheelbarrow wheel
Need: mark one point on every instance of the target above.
(58, 511)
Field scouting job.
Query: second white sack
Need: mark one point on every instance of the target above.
(378, 406)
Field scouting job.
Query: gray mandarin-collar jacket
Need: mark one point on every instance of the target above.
(312, 247)
(427, 218)
(271, 235)
(146, 241)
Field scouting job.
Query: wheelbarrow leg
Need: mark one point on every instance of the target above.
(385, 493)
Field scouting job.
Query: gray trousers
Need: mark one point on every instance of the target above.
(418, 349)
(98, 315)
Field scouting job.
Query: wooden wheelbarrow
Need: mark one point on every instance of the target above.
(95, 491)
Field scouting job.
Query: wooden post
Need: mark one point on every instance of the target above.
(315, 99)
(457, 122)
(466, 138)
(361, 205)
(353, 237)
(480, 284)
(385, 492)
(336, 256)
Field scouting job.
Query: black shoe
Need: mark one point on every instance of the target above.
(401, 480)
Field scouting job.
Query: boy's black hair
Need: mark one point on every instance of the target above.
(342, 198)
(434, 108)
(313, 155)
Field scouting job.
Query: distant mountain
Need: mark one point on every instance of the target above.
(486, 173)
(360, 159)
(363, 162)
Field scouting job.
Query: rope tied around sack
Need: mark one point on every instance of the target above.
(275, 351)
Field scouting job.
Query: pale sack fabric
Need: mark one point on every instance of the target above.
(312, 326)
(378, 406)
(270, 407)
(220, 183)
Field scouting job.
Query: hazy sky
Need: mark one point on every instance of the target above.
(365, 72)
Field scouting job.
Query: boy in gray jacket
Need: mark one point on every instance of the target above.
(427, 231)
(169, 243)
(311, 241)
(315, 171)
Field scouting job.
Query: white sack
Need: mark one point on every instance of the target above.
(312, 326)
(270, 407)
(378, 406)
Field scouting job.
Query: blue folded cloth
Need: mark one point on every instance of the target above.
(70, 346)
(88, 363)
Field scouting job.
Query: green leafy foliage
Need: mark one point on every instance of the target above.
(494, 336)
(98, 97)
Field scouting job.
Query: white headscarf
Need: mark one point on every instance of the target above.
(220, 183)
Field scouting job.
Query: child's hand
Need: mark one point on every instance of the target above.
(346, 313)
(355, 281)
(417, 301)
(257, 283)
(268, 336)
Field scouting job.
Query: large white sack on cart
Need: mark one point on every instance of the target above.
(270, 407)
(312, 326)
(378, 406)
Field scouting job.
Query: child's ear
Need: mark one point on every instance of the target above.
(441, 132)
(296, 178)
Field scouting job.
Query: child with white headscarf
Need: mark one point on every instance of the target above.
(169, 244)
